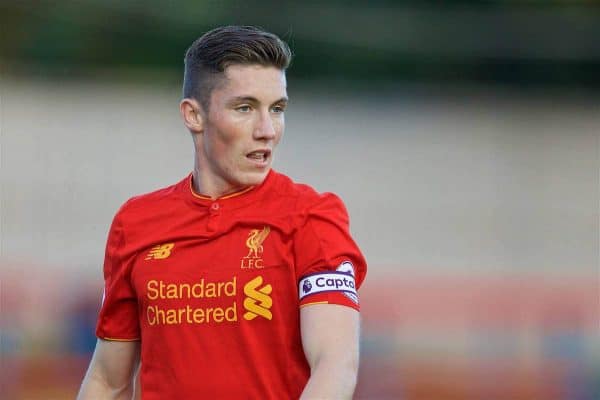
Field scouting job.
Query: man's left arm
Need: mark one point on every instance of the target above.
(330, 338)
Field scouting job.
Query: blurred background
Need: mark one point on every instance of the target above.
(462, 135)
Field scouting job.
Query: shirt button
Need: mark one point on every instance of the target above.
(214, 206)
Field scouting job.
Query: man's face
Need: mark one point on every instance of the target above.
(243, 126)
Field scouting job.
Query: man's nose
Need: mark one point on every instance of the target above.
(265, 129)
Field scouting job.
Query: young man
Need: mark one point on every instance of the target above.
(235, 283)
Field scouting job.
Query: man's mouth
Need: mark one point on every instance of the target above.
(259, 155)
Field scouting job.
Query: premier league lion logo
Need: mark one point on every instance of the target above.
(306, 287)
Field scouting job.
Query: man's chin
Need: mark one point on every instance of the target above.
(254, 178)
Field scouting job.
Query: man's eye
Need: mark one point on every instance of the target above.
(243, 108)
(278, 109)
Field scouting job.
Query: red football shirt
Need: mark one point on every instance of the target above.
(212, 288)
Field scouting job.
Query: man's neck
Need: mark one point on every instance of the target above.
(204, 187)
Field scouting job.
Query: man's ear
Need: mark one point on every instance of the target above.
(192, 114)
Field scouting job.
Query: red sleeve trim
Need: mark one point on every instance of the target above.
(330, 298)
(119, 340)
(313, 303)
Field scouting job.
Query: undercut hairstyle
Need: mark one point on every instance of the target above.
(208, 57)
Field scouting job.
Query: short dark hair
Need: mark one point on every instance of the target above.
(208, 57)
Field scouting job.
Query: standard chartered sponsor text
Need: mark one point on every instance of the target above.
(159, 291)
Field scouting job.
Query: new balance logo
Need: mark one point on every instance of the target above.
(160, 252)
(258, 302)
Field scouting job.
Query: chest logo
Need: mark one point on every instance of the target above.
(256, 237)
(257, 301)
(160, 251)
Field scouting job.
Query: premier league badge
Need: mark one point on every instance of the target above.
(307, 286)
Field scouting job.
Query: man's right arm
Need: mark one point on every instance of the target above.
(111, 372)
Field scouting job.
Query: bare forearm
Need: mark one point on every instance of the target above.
(96, 388)
(330, 380)
(330, 337)
(111, 372)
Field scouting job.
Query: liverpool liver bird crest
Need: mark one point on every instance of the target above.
(254, 242)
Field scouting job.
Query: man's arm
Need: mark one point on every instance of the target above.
(330, 336)
(111, 371)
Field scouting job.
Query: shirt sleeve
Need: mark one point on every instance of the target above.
(118, 319)
(329, 265)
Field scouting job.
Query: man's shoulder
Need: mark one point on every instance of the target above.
(156, 199)
(286, 186)
(305, 195)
